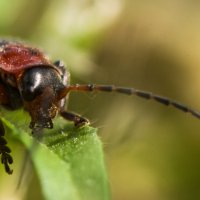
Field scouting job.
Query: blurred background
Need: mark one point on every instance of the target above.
(152, 152)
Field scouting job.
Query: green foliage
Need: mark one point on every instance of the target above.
(68, 161)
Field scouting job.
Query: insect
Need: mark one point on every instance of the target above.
(29, 80)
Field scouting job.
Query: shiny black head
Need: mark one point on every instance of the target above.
(39, 87)
(35, 80)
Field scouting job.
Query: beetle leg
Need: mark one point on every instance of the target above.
(6, 158)
(60, 65)
(78, 120)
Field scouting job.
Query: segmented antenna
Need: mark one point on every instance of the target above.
(131, 91)
(6, 158)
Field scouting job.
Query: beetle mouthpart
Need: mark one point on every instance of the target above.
(38, 127)
(45, 123)
(42, 118)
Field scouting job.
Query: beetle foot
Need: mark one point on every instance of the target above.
(80, 122)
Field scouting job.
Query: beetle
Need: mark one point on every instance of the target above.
(30, 80)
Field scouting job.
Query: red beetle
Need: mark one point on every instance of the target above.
(30, 80)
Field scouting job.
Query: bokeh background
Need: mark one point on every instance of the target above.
(151, 152)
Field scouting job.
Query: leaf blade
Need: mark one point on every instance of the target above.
(69, 161)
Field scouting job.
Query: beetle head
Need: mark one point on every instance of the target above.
(39, 87)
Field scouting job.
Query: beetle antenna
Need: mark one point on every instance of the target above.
(6, 158)
(131, 91)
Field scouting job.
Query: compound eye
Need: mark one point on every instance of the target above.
(59, 63)
(31, 85)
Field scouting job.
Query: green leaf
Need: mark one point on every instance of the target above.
(69, 161)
